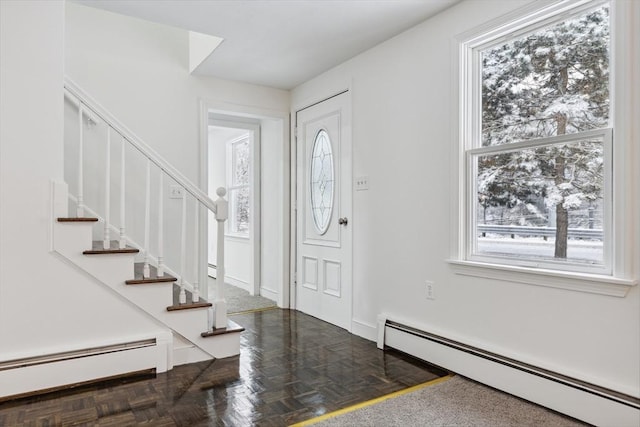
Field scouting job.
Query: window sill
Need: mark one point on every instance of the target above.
(237, 237)
(581, 282)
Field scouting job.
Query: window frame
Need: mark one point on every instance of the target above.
(234, 188)
(606, 134)
(618, 276)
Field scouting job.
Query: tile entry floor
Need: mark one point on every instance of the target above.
(292, 367)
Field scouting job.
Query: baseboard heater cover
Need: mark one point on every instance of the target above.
(604, 406)
(74, 354)
(30, 375)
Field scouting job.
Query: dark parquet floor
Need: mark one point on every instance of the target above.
(292, 367)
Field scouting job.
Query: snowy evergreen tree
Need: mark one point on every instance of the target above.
(554, 81)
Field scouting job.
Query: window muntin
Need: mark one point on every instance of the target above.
(539, 158)
(322, 180)
(552, 81)
(239, 193)
(516, 210)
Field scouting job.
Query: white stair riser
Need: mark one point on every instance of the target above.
(227, 345)
(71, 239)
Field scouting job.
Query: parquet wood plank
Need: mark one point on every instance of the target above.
(292, 367)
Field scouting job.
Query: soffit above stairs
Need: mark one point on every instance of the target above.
(281, 43)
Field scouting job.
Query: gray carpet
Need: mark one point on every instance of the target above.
(456, 402)
(239, 300)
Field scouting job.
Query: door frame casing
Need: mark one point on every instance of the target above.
(228, 109)
(343, 88)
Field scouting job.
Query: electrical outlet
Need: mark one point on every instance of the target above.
(176, 192)
(430, 290)
(362, 183)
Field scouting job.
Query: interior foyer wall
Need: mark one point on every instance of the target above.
(403, 135)
(46, 305)
(138, 70)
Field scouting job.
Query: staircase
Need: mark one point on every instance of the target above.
(171, 290)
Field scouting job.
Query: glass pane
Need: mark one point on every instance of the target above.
(322, 180)
(554, 81)
(542, 203)
(239, 201)
(241, 157)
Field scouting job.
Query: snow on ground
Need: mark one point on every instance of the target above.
(589, 251)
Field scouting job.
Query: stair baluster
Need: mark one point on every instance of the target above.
(183, 248)
(147, 222)
(106, 242)
(196, 264)
(89, 111)
(160, 271)
(80, 206)
(123, 239)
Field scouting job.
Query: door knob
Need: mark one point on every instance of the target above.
(343, 221)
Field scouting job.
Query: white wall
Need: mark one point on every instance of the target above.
(273, 211)
(138, 70)
(403, 135)
(45, 304)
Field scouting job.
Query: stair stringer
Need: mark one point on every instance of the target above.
(70, 239)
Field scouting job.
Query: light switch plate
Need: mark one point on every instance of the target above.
(176, 192)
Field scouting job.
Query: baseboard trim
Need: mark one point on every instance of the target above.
(129, 375)
(74, 354)
(364, 330)
(577, 398)
(42, 373)
(269, 294)
(233, 281)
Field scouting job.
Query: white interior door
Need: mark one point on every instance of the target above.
(324, 236)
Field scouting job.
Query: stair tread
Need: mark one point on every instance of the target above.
(76, 219)
(189, 305)
(98, 249)
(232, 327)
(138, 279)
(201, 303)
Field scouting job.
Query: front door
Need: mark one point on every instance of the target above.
(324, 236)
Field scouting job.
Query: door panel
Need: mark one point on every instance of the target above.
(323, 197)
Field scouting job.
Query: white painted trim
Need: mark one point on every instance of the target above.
(238, 283)
(95, 365)
(558, 396)
(225, 108)
(152, 259)
(625, 18)
(184, 351)
(364, 329)
(590, 283)
(380, 323)
(269, 294)
(625, 110)
(74, 90)
(346, 85)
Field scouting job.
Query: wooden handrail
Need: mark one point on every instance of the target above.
(77, 95)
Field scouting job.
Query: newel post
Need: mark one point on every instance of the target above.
(220, 304)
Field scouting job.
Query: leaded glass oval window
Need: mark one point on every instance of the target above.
(322, 180)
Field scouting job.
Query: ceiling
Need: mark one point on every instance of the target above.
(281, 43)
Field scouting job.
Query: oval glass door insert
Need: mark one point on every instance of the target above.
(322, 181)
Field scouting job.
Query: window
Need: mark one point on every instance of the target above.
(538, 143)
(322, 180)
(238, 168)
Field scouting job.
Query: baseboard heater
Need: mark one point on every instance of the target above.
(43, 373)
(580, 399)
